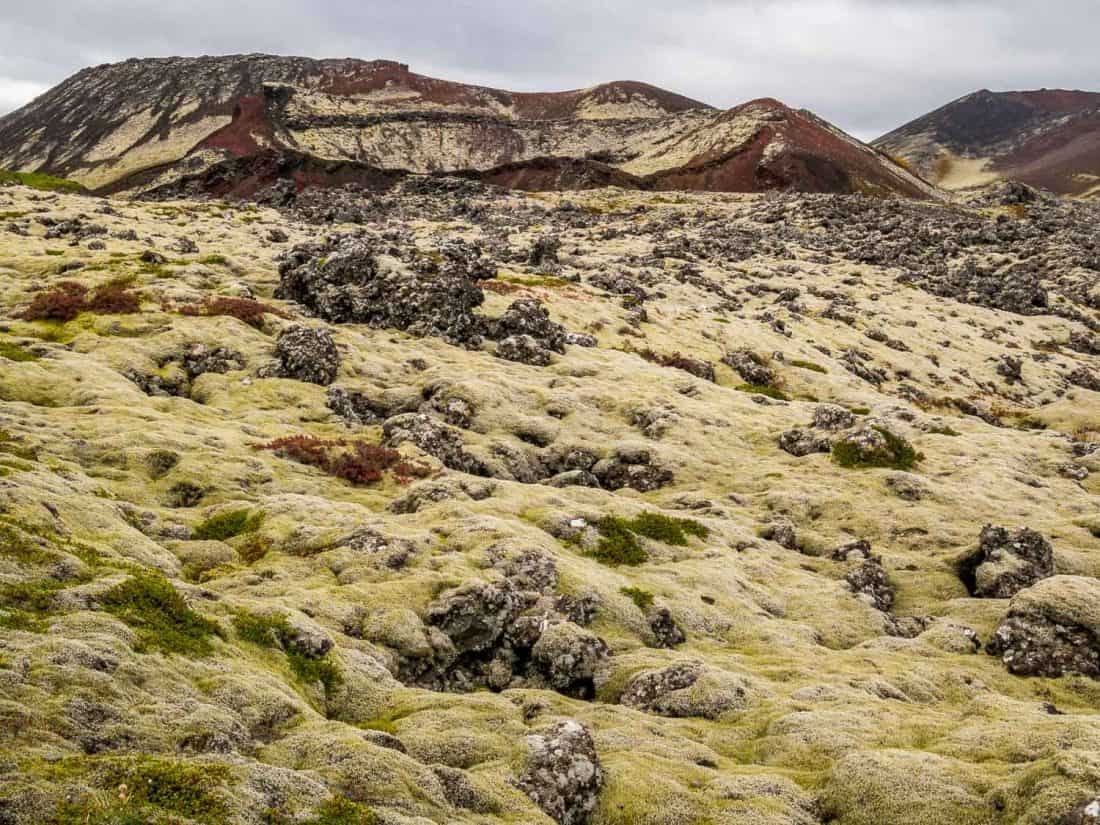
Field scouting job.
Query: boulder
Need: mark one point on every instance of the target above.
(1052, 628)
(562, 773)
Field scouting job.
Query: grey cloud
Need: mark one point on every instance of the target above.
(866, 65)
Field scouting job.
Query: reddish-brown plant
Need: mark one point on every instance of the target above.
(67, 299)
(114, 299)
(243, 309)
(353, 461)
(62, 302)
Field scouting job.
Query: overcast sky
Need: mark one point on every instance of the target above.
(866, 65)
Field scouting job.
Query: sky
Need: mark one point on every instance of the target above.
(866, 65)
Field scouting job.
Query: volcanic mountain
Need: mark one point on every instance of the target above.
(230, 125)
(1048, 138)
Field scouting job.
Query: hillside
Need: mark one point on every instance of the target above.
(1048, 139)
(452, 504)
(229, 124)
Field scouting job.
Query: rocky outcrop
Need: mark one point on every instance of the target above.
(1006, 562)
(307, 354)
(1052, 629)
(562, 773)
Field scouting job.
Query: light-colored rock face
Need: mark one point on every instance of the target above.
(140, 125)
(607, 552)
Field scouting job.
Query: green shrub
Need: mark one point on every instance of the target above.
(667, 529)
(163, 621)
(618, 544)
(897, 454)
(311, 671)
(266, 631)
(44, 183)
(274, 631)
(26, 605)
(17, 544)
(1031, 424)
(253, 548)
(642, 598)
(228, 525)
(943, 429)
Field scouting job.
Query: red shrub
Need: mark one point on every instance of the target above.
(700, 369)
(67, 299)
(114, 299)
(63, 302)
(354, 461)
(243, 309)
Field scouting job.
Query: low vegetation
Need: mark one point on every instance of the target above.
(228, 525)
(354, 461)
(159, 615)
(618, 543)
(35, 180)
(67, 299)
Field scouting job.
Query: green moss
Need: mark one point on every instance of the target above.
(273, 631)
(763, 389)
(860, 410)
(311, 671)
(147, 790)
(542, 281)
(14, 352)
(163, 621)
(10, 445)
(808, 365)
(897, 454)
(213, 260)
(16, 544)
(667, 529)
(342, 811)
(617, 544)
(27, 605)
(642, 598)
(44, 183)
(228, 525)
(267, 631)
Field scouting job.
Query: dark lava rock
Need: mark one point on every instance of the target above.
(527, 316)
(342, 281)
(1005, 563)
(750, 367)
(523, 349)
(308, 354)
(870, 580)
(431, 435)
(801, 443)
(1051, 629)
(562, 774)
